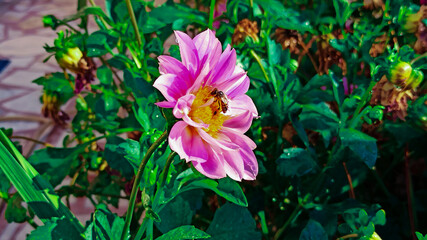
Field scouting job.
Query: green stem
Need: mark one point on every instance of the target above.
(283, 228)
(166, 168)
(133, 20)
(102, 19)
(418, 58)
(164, 176)
(135, 186)
(362, 103)
(45, 144)
(258, 59)
(211, 13)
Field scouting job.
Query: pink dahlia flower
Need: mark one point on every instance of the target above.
(207, 92)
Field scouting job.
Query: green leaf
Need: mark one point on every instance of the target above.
(56, 228)
(137, 84)
(361, 145)
(101, 42)
(225, 187)
(319, 117)
(313, 231)
(184, 232)
(15, 212)
(379, 218)
(233, 222)
(286, 18)
(168, 14)
(57, 83)
(115, 155)
(105, 75)
(295, 162)
(104, 225)
(54, 163)
(363, 217)
(179, 211)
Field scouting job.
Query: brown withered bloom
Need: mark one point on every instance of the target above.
(394, 100)
(373, 4)
(85, 74)
(328, 56)
(289, 39)
(379, 45)
(51, 108)
(245, 28)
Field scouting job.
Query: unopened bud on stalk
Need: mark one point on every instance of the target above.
(404, 77)
(293, 65)
(375, 236)
(69, 58)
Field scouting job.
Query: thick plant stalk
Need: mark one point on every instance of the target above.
(135, 186)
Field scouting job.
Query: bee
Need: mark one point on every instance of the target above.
(221, 99)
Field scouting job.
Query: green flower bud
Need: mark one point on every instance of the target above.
(69, 58)
(375, 236)
(293, 65)
(400, 73)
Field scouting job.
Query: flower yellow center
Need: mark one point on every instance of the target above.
(206, 108)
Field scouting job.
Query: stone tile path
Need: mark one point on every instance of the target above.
(22, 37)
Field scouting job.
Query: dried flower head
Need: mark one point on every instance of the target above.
(394, 100)
(289, 39)
(328, 55)
(245, 28)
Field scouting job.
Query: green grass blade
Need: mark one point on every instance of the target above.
(37, 192)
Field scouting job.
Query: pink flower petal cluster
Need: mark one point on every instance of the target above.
(207, 91)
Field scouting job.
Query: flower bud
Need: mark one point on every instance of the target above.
(400, 73)
(375, 236)
(69, 58)
(293, 65)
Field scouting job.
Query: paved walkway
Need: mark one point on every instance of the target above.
(22, 37)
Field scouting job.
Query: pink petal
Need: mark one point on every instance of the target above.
(165, 104)
(241, 122)
(168, 64)
(183, 108)
(233, 165)
(240, 104)
(223, 143)
(188, 52)
(185, 141)
(212, 167)
(171, 86)
(209, 49)
(224, 68)
(246, 146)
(237, 84)
(183, 105)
